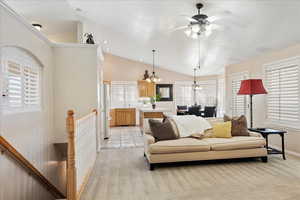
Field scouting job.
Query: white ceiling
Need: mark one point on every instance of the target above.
(134, 27)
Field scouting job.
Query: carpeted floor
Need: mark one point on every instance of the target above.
(123, 174)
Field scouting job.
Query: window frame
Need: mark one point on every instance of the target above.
(24, 60)
(277, 65)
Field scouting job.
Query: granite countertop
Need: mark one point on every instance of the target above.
(154, 110)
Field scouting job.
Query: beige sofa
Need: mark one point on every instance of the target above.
(190, 149)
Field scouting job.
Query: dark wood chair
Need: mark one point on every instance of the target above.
(182, 110)
(209, 111)
(195, 110)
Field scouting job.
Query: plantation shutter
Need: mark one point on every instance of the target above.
(183, 94)
(238, 102)
(124, 94)
(22, 81)
(117, 95)
(131, 94)
(207, 95)
(31, 86)
(282, 82)
(14, 85)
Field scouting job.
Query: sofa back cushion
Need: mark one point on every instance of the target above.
(163, 130)
(239, 125)
(222, 130)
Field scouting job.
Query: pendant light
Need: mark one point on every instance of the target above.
(195, 85)
(153, 78)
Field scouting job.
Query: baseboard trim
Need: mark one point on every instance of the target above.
(287, 151)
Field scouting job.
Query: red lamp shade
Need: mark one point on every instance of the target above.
(251, 87)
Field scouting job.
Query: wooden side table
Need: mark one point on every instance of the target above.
(265, 132)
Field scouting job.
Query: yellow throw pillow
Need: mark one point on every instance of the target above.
(222, 130)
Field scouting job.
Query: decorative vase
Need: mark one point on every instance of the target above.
(153, 106)
(90, 38)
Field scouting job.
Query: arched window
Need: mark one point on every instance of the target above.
(21, 90)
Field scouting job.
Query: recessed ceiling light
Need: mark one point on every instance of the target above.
(37, 26)
(105, 42)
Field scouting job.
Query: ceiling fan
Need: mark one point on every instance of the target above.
(199, 24)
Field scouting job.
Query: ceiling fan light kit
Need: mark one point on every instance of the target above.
(200, 24)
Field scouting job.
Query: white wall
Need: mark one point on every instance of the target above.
(31, 133)
(75, 83)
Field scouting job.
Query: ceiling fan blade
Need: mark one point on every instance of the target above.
(214, 27)
(213, 18)
(189, 18)
(179, 28)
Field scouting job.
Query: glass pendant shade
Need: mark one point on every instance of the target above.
(196, 28)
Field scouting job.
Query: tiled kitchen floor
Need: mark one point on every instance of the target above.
(124, 137)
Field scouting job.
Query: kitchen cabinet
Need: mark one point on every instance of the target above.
(123, 117)
(146, 89)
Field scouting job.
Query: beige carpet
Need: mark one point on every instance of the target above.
(122, 174)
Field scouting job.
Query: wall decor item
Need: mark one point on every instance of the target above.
(165, 91)
(90, 38)
(146, 75)
(37, 26)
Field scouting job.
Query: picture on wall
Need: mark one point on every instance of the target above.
(165, 91)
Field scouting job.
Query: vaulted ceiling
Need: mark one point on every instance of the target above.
(132, 28)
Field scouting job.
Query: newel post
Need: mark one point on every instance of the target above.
(71, 165)
(96, 111)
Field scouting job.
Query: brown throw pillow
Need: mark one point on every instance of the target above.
(162, 130)
(238, 125)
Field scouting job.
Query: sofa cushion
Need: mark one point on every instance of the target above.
(163, 130)
(222, 130)
(235, 143)
(146, 127)
(181, 145)
(239, 125)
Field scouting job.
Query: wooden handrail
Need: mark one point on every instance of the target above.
(7, 147)
(88, 115)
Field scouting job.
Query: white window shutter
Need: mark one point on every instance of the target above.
(183, 93)
(282, 83)
(117, 95)
(238, 102)
(31, 86)
(124, 94)
(14, 85)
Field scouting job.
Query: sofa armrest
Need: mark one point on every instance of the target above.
(254, 134)
(149, 139)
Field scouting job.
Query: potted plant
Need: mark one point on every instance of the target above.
(154, 99)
